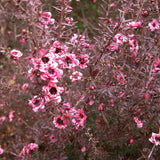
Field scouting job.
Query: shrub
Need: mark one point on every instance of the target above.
(68, 94)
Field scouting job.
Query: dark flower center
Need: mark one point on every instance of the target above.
(45, 19)
(45, 59)
(68, 60)
(59, 121)
(82, 61)
(157, 139)
(158, 66)
(81, 115)
(51, 71)
(58, 50)
(37, 102)
(154, 25)
(53, 90)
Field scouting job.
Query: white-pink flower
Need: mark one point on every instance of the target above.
(25, 87)
(156, 66)
(26, 149)
(139, 122)
(16, 53)
(76, 76)
(37, 103)
(135, 24)
(68, 61)
(154, 25)
(2, 119)
(1, 150)
(120, 39)
(52, 91)
(83, 60)
(11, 116)
(83, 149)
(46, 18)
(60, 122)
(155, 139)
(58, 48)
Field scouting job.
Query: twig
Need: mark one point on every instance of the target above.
(151, 152)
(105, 119)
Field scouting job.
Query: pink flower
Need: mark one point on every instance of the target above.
(25, 87)
(139, 122)
(83, 60)
(133, 45)
(52, 91)
(91, 102)
(2, 119)
(26, 149)
(155, 139)
(16, 54)
(100, 108)
(22, 41)
(79, 118)
(113, 46)
(67, 110)
(76, 76)
(37, 103)
(156, 66)
(77, 38)
(53, 138)
(69, 20)
(68, 61)
(58, 48)
(1, 150)
(11, 116)
(51, 71)
(146, 95)
(135, 24)
(40, 63)
(120, 39)
(60, 122)
(112, 5)
(154, 25)
(46, 18)
(131, 141)
(83, 149)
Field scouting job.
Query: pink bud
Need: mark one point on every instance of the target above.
(131, 141)
(22, 41)
(83, 149)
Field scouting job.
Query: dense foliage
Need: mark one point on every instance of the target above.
(79, 79)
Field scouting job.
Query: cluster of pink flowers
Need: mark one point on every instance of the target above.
(49, 67)
(120, 77)
(79, 39)
(155, 139)
(27, 149)
(77, 117)
(121, 39)
(135, 24)
(46, 18)
(139, 122)
(133, 45)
